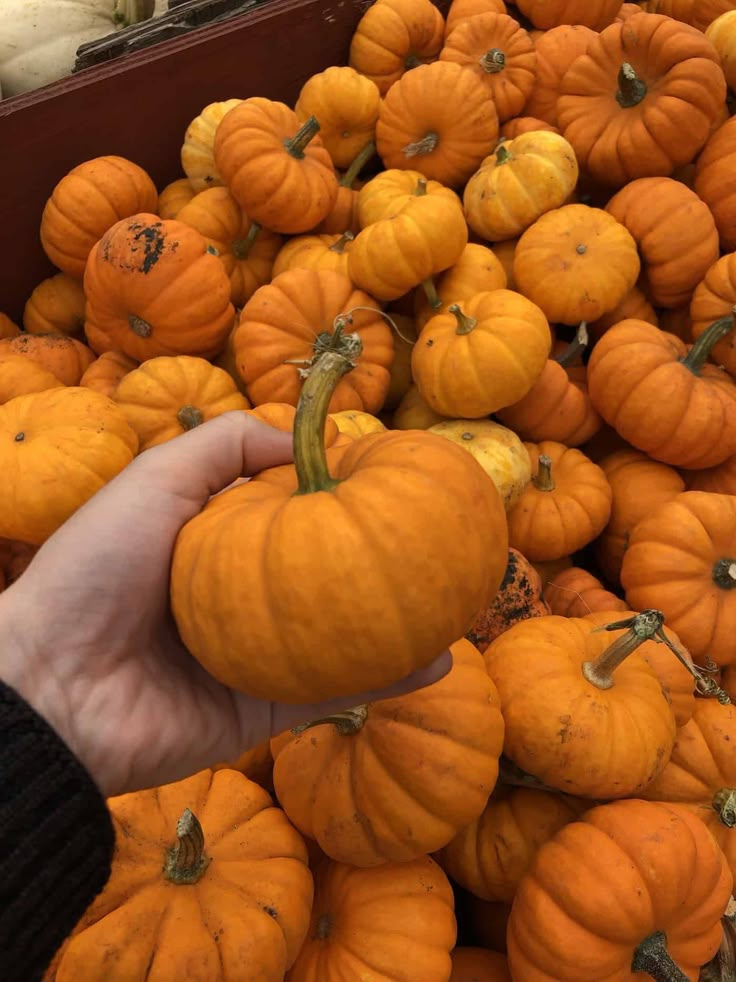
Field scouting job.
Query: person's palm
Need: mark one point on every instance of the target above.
(91, 640)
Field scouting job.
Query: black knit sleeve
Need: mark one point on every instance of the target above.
(56, 840)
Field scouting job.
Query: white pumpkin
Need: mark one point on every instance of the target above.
(39, 38)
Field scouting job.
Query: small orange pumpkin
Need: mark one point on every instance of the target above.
(174, 196)
(413, 413)
(476, 270)
(556, 50)
(314, 252)
(347, 106)
(634, 304)
(56, 306)
(524, 124)
(20, 376)
(698, 13)
(519, 597)
(106, 371)
(718, 480)
(64, 357)
(461, 9)
(715, 182)
(715, 297)
(575, 592)
(546, 14)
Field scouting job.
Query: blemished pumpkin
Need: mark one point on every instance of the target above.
(546, 14)
(414, 898)
(564, 507)
(87, 202)
(20, 376)
(634, 304)
(715, 182)
(481, 355)
(269, 159)
(247, 250)
(168, 396)
(198, 149)
(492, 853)
(524, 124)
(675, 233)
(442, 767)
(660, 914)
(413, 413)
(64, 357)
(556, 50)
(498, 450)
(632, 75)
(720, 479)
(274, 647)
(438, 120)
(394, 36)
(346, 104)
(639, 484)
(132, 277)
(603, 726)
(56, 306)
(356, 423)
(68, 438)
(179, 858)
(681, 558)
(8, 328)
(721, 33)
(575, 592)
(314, 252)
(519, 597)
(106, 371)
(471, 964)
(519, 182)
(576, 263)
(714, 298)
(174, 196)
(498, 50)
(286, 325)
(476, 270)
(631, 368)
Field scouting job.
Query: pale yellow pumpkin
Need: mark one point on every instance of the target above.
(197, 152)
(355, 423)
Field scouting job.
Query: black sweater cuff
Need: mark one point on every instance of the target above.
(56, 840)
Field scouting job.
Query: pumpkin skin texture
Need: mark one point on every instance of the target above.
(524, 124)
(720, 479)
(556, 50)
(478, 965)
(442, 767)
(392, 191)
(576, 263)
(563, 729)
(56, 306)
(437, 119)
(715, 182)
(680, 558)
(215, 564)
(174, 196)
(675, 233)
(128, 306)
(639, 485)
(165, 397)
(86, 203)
(356, 424)
(715, 297)
(314, 252)
(654, 129)
(545, 15)
(634, 304)
(105, 372)
(476, 270)
(722, 35)
(698, 13)
(247, 253)
(624, 889)
(64, 357)
(500, 53)
(133, 929)
(519, 598)
(346, 105)
(522, 180)
(198, 149)
(461, 9)
(283, 321)
(20, 376)
(392, 36)
(549, 522)
(631, 367)
(414, 898)
(70, 438)
(266, 174)
(486, 356)
(413, 413)
(575, 592)
(497, 449)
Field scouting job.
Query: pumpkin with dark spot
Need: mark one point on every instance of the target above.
(519, 598)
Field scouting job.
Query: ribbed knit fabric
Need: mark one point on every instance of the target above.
(56, 840)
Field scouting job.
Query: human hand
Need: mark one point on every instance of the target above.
(87, 636)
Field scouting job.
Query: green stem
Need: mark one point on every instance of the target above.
(631, 89)
(189, 417)
(367, 153)
(430, 291)
(346, 723)
(185, 862)
(643, 627)
(652, 958)
(241, 247)
(700, 351)
(543, 480)
(493, 61)
(339, 245)
(578, 344)
(465, 324)
(502, 154)
(306, 132)
(411, 61)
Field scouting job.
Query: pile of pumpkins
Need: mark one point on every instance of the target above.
(486, 273)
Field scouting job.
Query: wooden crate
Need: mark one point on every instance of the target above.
(139, 107)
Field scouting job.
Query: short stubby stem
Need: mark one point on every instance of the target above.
(339, 244)
(185, 862)
(493, 61)
(543, 480)
(631, 89)
(189, 417)
(724, 803)
(427, 144)
(465, 324)
(652, 958)
(724, 574)
(139, 327)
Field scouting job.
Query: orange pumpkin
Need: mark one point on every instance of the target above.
(715, 182)
(719, 480)
(639, 485)
(393, 191)
(405, 335)
(567, 504)
(633, 75)
(8, 328)
(524, 124)
(282, 416)
(631, 368)
(346, 105)
(546, 14)
(645, 919)
(698, 13)
(519, 597)
(355, 423)
(343, 216)
(174, 196)
(575, 592)
(681, 558)
(478, 965)
(198, 149)
(556, 50)
(287, 324)
(133, 275)
(576, 263)
(676, 321)
(634, 304)
(476, 270)
(461, 9)
(105, 372)
(394, 36)
(56, 306)
(413, 413)
(64, 357)
(269, 159)
(315, 252)
(326, 773)
(627, 10)
(675, 233)
(256, 764)
(482, 355)
(721, 34)
(714, 298)
(20, 376)
(498, 50)
(438, 120)
(505, 252)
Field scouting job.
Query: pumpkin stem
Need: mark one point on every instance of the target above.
(578, 344)
(427, 144)
(241, 247)
(335, 356)
(421, 189)
(306, 132)
(346, 723)
(339, 245)
(367, 153)
(324, 927)
(430, 291)
(465, 324)
(643, 627)
(724, 574)
(189, 417)
(724, 802)
(631, 89)
(140, 327)
(493, 61)
(543, 480)
(185, 861)
(722, 967)
(411, 61)
(651, 957)
(698, 354)
(502, 154)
